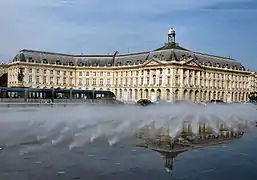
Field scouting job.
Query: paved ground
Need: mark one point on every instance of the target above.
(235, 161)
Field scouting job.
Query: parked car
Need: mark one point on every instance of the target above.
(144, 102)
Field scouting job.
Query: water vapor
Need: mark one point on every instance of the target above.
(80, 126)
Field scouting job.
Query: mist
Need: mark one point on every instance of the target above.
(80, 126)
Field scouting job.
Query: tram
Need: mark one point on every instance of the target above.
(27, 94)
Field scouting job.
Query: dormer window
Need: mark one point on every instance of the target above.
(208, 63)
(119, 63)
(22, 57)
(155, 56)
(217, 65)
(71, 64)
(58, 62)
(45, 61)
(81, 64)
(30, 59)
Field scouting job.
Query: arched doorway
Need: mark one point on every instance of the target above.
(205, 95)
(158, 94)
(209, 95)
(167, 94)
(116, 92)
(222, 96)
(214, 95)
(146, 94)
(136, 94)
(244, 97)
(152, 95)
(236, 96)
(141, 94)
(197, 99)
(185, 94)
(218, 95)
(125, 95)
(130, 94)
(191, 95)
(176, 95)
(120, 94)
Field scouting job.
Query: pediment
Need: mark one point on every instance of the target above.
(152, 62)
(192, 63)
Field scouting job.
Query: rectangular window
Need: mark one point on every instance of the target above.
(44, 79)
(168, 79)
(80, 81)
(87, 81)
(126, 81)
(64, 80)
(37, 79)
(80, 73)
(108, 82)
(101, 82)
(87, 73)
(94, 81)
(58, 80)
(160, 80)
(51, 79)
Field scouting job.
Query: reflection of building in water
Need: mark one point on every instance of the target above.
(169, 164)
(170, 72)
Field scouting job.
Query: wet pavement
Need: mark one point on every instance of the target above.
(237, 160)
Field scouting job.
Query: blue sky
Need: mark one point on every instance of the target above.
(221, 27)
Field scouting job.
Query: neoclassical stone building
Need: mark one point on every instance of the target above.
(167, 73)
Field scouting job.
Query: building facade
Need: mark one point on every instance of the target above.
(168, 73)
(3, 75)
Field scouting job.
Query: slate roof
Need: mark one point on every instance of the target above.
(168, 52)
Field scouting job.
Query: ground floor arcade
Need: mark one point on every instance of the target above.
(195, 95)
